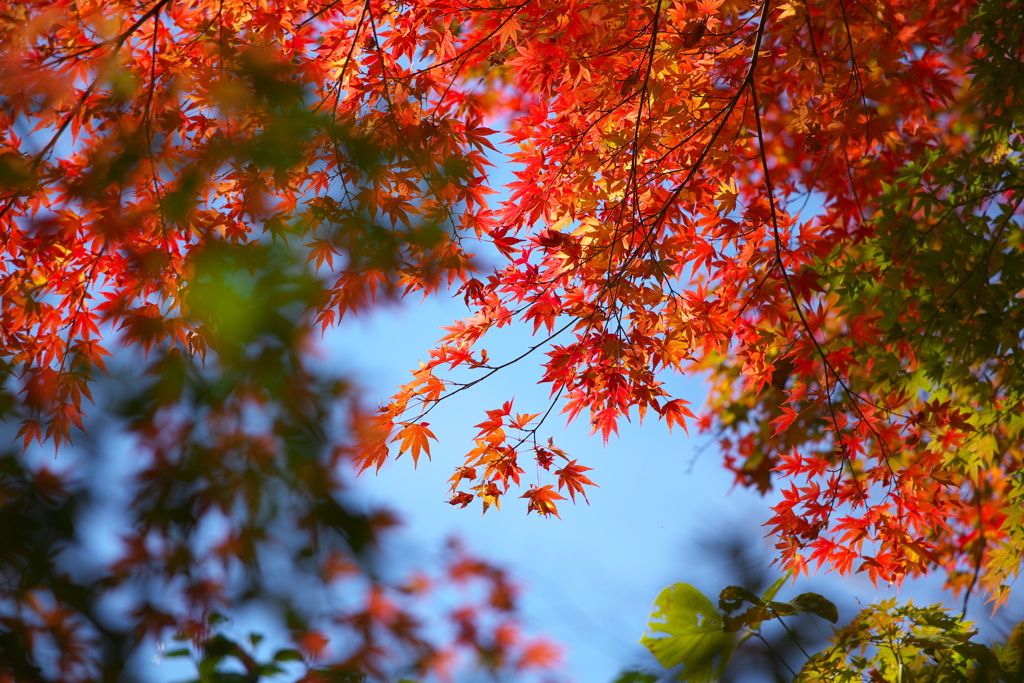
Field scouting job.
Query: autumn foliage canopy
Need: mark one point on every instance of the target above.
(816, 204)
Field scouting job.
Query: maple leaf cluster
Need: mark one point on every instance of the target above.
(666, 154)
(863, 356)
(209, 184)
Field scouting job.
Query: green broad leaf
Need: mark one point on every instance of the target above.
(220, 646)
(269, 670)
(207, 669)
(685, 628)
(288, 656)
(216, 618)
(818, 605)
(934, 641)
(733, 597)
(636, 677)
(782, 609)
(751, 618)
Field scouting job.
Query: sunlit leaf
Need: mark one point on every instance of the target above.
(686, 629)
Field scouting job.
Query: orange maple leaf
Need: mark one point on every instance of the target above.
(542, 500)
(571, 476)
(414, 436)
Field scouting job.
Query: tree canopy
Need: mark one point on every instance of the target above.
(816, 204)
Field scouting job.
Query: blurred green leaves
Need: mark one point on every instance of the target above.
(247, 292)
